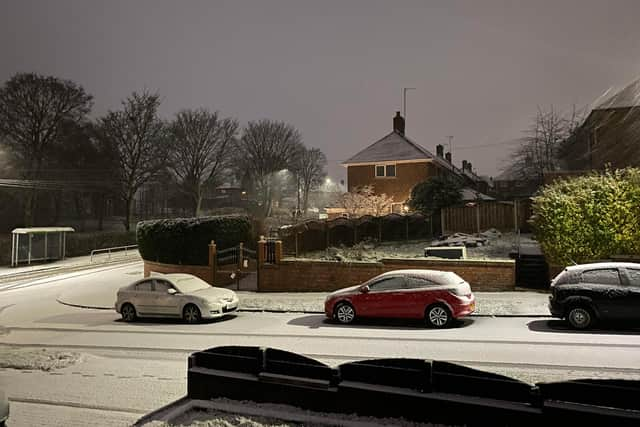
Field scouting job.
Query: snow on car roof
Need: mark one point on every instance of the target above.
(428, 274)
(609, 264)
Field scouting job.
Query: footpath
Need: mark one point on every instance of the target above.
(516, 303)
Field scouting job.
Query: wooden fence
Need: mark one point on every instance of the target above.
(476, 217)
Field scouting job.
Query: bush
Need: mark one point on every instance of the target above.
(589, 218)
(185, 240)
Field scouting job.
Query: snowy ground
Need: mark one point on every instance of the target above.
(497, 248)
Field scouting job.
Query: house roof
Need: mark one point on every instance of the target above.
(395, 147)
(628, 97)
(469, 194)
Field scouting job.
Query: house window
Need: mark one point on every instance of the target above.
(385, 171)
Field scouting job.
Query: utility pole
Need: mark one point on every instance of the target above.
(404, 101)
(450, 139)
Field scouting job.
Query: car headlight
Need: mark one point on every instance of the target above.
(225, 300)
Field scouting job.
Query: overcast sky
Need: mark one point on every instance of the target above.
(336, 69)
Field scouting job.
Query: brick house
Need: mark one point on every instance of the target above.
(394, 164)
(610, 135)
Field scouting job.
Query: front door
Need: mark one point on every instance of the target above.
(607, 291)
(165, 302)
(385, 297)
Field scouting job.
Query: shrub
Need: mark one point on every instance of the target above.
(590, 217)
(185, 240)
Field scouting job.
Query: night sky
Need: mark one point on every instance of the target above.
(336, 69)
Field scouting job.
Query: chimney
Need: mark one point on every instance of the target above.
(440, 150)
(464, 165)
(448, 157)
(398, 123)
(469, 166)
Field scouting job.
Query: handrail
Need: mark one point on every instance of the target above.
(109, 250)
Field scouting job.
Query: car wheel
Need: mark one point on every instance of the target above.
(580, 317)
(438, 316)
(344, 313)
(128, 312)
(191, 314)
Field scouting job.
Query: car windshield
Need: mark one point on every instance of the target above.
(186, 285)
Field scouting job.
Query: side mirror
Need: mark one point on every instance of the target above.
(171, 291)
(364, 289)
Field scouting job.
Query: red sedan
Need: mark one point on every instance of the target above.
(436, 296)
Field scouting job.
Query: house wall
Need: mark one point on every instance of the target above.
(608, 137)
(290, 275)
(398, 187)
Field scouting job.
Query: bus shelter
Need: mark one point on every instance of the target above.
(38, 244)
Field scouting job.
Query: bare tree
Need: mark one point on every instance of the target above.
(364, 201)
(309, 171)
(266, 147)
(138, 140)
(32, 110)
(201, 146)
(539, 148)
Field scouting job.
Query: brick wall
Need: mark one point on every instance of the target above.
(202, 271)
(316, 276)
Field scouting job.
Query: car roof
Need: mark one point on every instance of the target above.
(595, 265)
(417, 273)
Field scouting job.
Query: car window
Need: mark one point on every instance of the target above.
(634, 276)
(607, 276)
(419, 283)
(144, 286)
(162, 286)
(388, 284)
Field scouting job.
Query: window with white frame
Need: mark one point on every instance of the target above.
(386, 171)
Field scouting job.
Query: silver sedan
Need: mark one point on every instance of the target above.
(174, 295)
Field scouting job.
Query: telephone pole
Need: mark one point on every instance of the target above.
(404, 101)
(450, 139)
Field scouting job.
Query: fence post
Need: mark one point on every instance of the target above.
(262, 251)
(213, 260)
(278, 251)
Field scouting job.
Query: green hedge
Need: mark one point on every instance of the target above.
(186, 240)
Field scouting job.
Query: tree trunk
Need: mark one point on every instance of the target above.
(100, 210)
(197, 205)
(29, 207)
(127, 214)
(305, 199)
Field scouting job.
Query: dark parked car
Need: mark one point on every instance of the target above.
(436, 296)
(584, 294)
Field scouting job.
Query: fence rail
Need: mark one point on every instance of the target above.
(109, 251)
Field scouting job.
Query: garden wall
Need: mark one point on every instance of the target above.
(292, 275)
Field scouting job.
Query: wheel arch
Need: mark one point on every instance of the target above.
(580, 301)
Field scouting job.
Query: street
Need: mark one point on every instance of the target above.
(119, 371)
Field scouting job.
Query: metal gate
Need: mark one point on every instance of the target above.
(237, 266)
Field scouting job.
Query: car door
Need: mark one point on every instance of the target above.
(384, 298)
(633, 299)
(417, 296)
(143, 298)
(606, 290)
(166, 303)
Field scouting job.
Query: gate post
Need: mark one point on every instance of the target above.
(278, 251)
(213, 260)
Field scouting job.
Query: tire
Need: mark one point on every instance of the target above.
(128, 312)
(191, 314)
(438, 316)
(344, 313)
(580, 317)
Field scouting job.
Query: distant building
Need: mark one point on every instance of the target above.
(394, 164)
(609, 136)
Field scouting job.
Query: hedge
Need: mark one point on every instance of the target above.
(186, 240)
